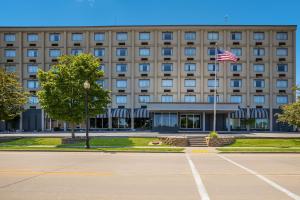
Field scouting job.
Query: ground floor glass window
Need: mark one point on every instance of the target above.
(120, 122)
(190, 121)
(165, 120)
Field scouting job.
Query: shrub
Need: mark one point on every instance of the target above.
(213, 134)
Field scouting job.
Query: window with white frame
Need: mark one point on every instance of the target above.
(144, 98)
(282, 83)
(212, 83)
(54, 37)
(211, 98)
(236, 51)
(259, 99)
(121, 52)
(54, 53)
(211, 51)
(167, 83)
(190, 67)
(166, 98)
(101, 67)
(258, 35)
(99, 36)
(167, 51)
(144, 36)
(258, 67)
(121, 99)
(9, 37)
(99, 52)
(10, 68)
(121, 67)
(167, 67)
(235, 67)
(189, 83)
(121, 83)
(190, 98)
(236, 83)
(190, 51)
(33, 100)
(212, 67)
(32, 84)
(189, 36)
(282, 67)
(281, 35)
(282, 99)
(32, 53)
(281, 51)
(167, 36)
(236, 36)
(32, 37)
(76, 52)
(236, 99)
(258, 51)
(122, 36)
(144, 67)
(32, 68)
(10, 53)
(144, 83)
(258, 83)
(144, 51)
(76, 37)
(213, 36)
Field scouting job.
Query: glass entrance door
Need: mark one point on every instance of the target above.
(190, 121)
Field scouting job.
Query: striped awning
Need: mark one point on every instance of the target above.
(241, 113)
(103, 115)
(141, 113)
(120, 113)
(259, 113)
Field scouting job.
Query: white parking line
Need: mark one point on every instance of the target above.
(273, 184)
(200, 186)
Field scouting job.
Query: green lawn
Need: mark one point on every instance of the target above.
(259, 149)
(33, 141)
(266, 143)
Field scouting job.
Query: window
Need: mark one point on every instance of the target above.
(144, 67)
(144, 51)
(9, 37)
(101, 67)
(99, 36)
(236, 36)
(122, 36)
(236, 99)
(189, 67)
(76, 52)
(144, 98)
(190, 36)
(211, 51)
(281, 83)
(212, 83)
(281, 51)
(236, 83)
(10, 53)
(259, 36)
(166, 82)
(33, 100)
(235, 67)
(121, 51)
(282, 99)
(166, 98)
(213, 36)
(144, 36)
(190, 98)
(237, 51)
(212, 67)
(259, 83)
(282, 67)
(77, 36)
(32, 69)
(10, 69)
(121, 83)
(167, 36)
(54, 53)
(32, 37)
(54, 37)
(121, 99)
(167, 51)
(121, 67)
(259, 99)
(167, 67)
(189, 83)
(258, 51)
(32, 53)
(32, 84)
(99, 52)
(258, 67)
(144, 83)
(281, 35)
(189, 51)
(100, 83)
(210, 98)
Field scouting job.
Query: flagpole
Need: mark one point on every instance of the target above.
(215, 88)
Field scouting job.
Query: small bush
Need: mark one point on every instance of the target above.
(213, 134)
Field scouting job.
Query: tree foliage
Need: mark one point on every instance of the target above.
(62, 94)
(12, 96)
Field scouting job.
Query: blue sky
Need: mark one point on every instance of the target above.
(145, 12)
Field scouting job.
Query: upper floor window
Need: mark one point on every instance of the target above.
(212, 83)
(236, 83)
(32, 69)
(189, 67)
(282, 67)
(211, 98)
(167, 98)
(121, 83)
(259, 99)
(166, 82)
(76, 52)
(54, 53)
(99, 36)
(190, 98)
(258, 67)
(101, 67)
(144, 98)
(144, 67)
(99, 52)
(259, 83)
(10, 53)
(144, 83)
(144, 51)
(32, 53)
(121, 67)
(258, 51)
(236, 36)
(100, 83)
(77, 36)
(258, 35)
(281, 51)
(144, 36)
(9, 37)
(167, 51)
(189, 83)
(32, 37)
(211, 51)
(281, 83)
(190, 36)
(167, 36)
(212, 67)
(121, 51)
(33, 100)
(32, 84)
(54, 37)
(167, 67)
(234, 67)
(237, 51)
(10, 68)
(121, 99)
(236, 99)
(122, 36)
(213, 36)
(190, 51)
(282, 99)
(281, 35)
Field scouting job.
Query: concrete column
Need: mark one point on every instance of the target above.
(21, 72)
(50, 124)
(132, 70)
(271, 79)
(178, 66)
(21, 122)
(43, 120)
(201, 67)
(228, 122)
(203, 121)
(155, 67)
(248, 70)
(109, 118)
(65, 126)
(224, 69)
(109, 75)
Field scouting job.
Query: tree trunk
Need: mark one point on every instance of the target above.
(72, 130)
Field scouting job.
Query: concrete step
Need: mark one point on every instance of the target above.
(197, 141)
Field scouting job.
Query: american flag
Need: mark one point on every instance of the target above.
(226, 56)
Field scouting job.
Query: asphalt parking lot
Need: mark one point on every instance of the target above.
(163, 176)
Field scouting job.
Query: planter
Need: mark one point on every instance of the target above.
(220, 141)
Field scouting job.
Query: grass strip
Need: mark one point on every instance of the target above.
(259, 149)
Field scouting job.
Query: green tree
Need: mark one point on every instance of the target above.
(12, 96)
(62, 94)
